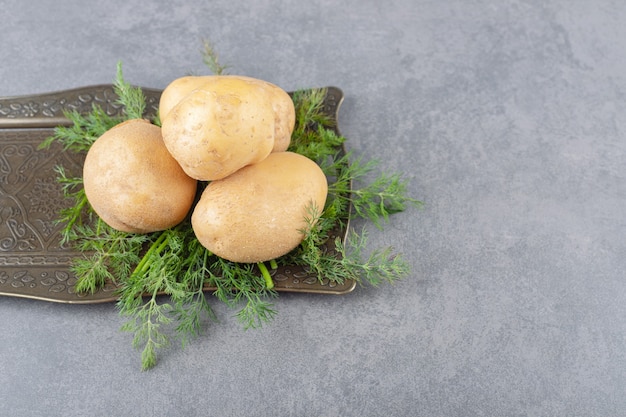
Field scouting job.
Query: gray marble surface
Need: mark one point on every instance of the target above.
(508, 118)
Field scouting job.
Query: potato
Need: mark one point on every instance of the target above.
(260, 212)
(133, 183)
(220, 124)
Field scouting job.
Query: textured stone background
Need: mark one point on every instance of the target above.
(508, 117)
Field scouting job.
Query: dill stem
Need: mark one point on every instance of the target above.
(156, 247)
(99, 226)
(266, 275)
(74, 219)
(273, 264)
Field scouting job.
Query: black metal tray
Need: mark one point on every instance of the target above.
(33, 264)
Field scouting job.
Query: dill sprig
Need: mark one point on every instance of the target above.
(211, 58)
(82, 131)
(166, 268)
(309, 106)
(130, 98)
(349, 261)
(386, 194)
(163, 278)
(238, 284)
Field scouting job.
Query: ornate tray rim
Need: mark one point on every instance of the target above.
(41, 113)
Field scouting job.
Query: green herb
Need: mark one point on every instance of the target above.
(163, 278)
(385, 195)
(131, 98)
(83, 130)
(211, 58)
(170, 268)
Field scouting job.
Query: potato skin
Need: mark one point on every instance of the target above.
(258, 213)
(133, 183)
(176, 91)
(219, 124)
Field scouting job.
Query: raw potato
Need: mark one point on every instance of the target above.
(133, 183)
(215, 125)
(259, 212)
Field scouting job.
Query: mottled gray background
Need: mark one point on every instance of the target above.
(508, 117)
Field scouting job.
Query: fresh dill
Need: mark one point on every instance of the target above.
(211, 58)
(385, 195)
(163, 278)
(130, 98)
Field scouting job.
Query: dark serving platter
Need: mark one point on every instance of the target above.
(33, 264)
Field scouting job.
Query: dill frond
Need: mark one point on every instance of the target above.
(131, 98)
(211, 58)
